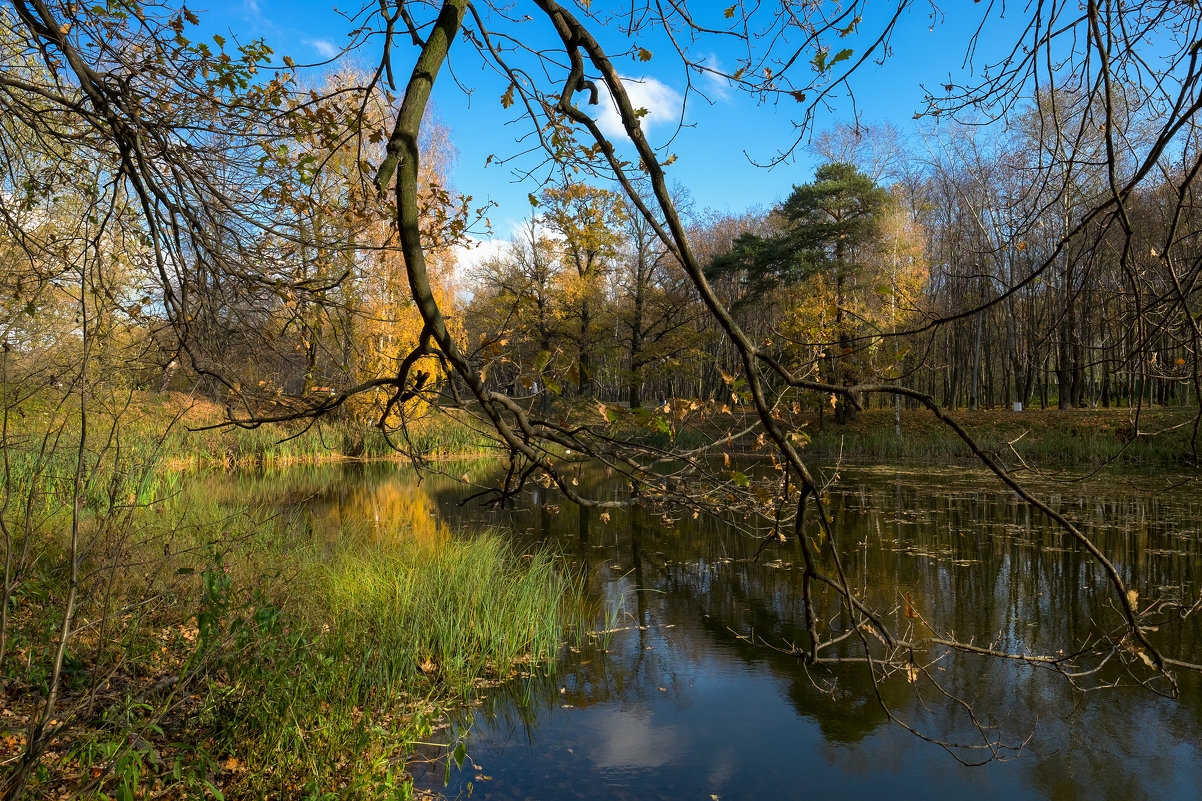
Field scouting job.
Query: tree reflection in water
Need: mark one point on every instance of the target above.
(686, 700)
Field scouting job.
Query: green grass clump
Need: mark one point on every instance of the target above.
(454, 611)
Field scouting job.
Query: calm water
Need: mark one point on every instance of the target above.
(678, 704)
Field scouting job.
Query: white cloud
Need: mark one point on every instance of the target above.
(663, 104)
(251, 8)
(324, 48)
(477, 251)
(715, 84)
(474, 252)
(630, 739)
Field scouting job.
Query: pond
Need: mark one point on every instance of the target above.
(681, 698)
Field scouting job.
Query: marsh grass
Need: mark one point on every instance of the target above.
(1041, 439)
(178, 432)
(1069, 443)
(434, 436)
(453, 611)
(245, 651)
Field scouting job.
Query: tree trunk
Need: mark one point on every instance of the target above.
(976, 365)
(584, 365)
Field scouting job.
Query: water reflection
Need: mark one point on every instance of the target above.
(678, 703)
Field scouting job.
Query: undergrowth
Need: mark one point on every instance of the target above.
(240, 652)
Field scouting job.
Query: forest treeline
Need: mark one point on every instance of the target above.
(902, 259)
(967, 262)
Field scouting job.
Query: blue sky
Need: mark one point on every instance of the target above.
(715, 149)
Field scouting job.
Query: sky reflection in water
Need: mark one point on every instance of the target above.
(682, 708)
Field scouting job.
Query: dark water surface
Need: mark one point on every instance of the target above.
(676, 703)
